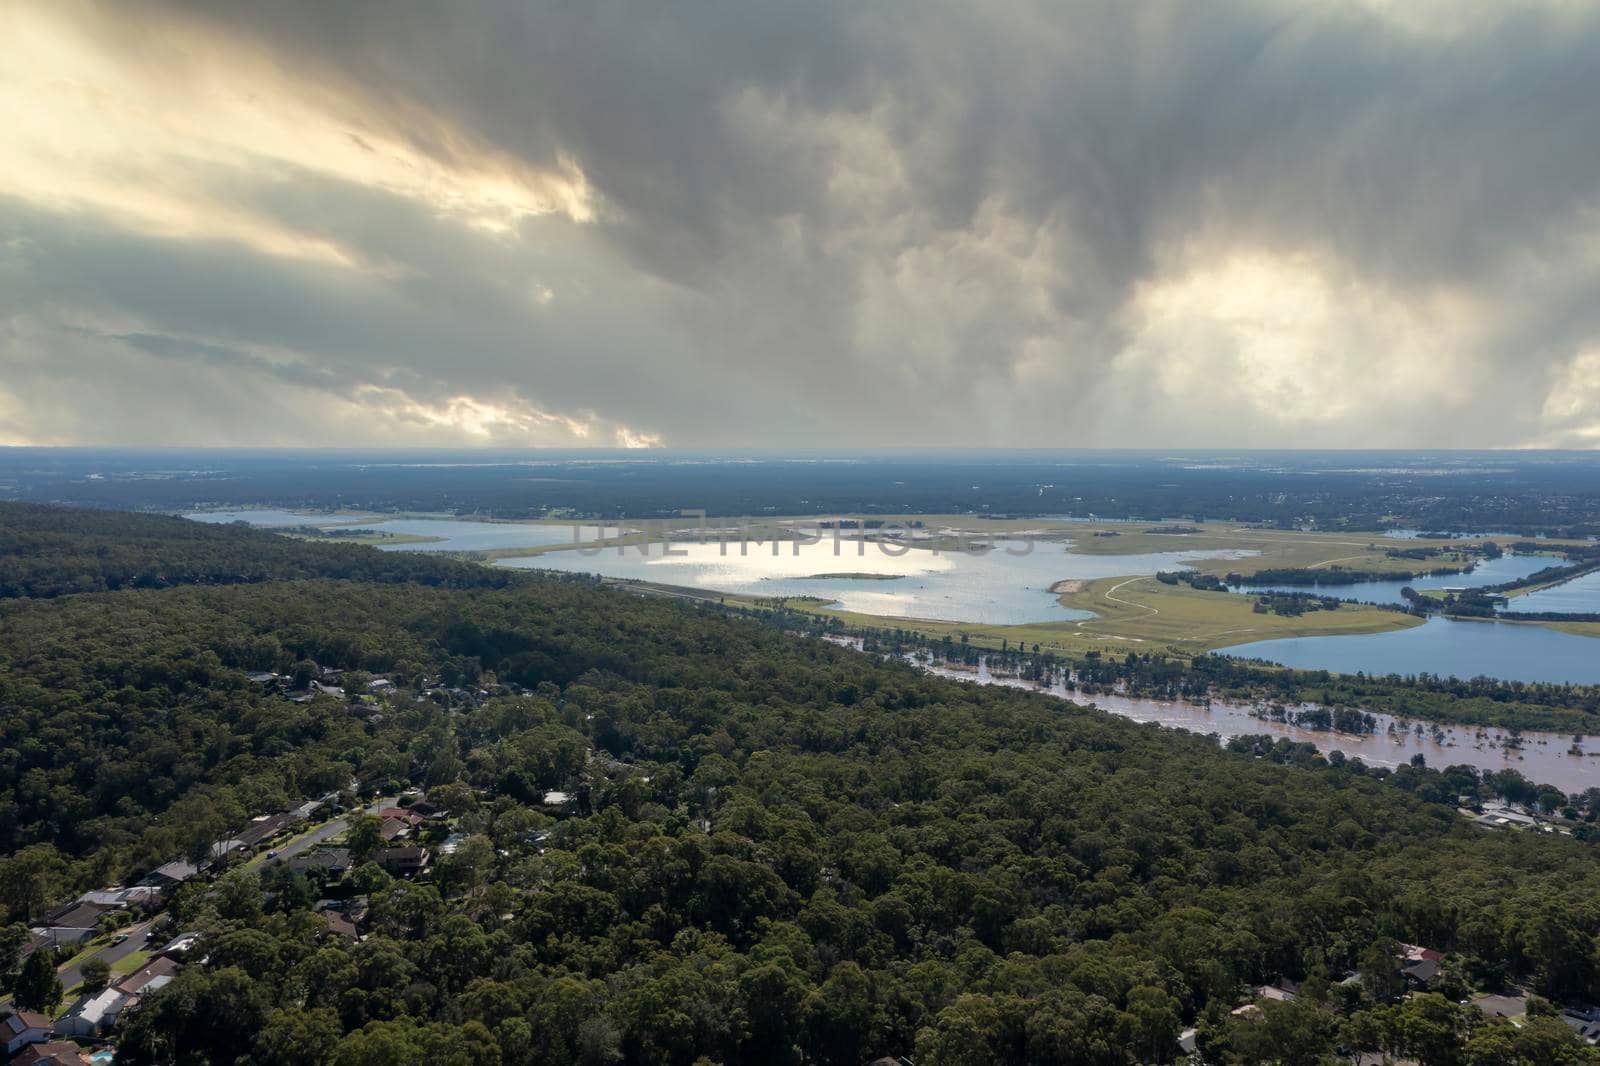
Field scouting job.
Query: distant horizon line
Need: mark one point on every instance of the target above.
(753, 451)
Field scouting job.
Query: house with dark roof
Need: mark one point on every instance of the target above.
(264, 828)
(1421, 972)
(1584, 1022)
(22, 1028)
(76, 922)
(157, 973)
(223, 848)
(335, 861)
(172, 874)
(78, 915)
(403, 860)
(51, 1053)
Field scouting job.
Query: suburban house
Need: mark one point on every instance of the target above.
(171, 875)
(117, 896)
(336, 861)
(51, 937)
(265, 828)
(1503, 816)
(410, 816)
(75, 922)
(223, 848)
(51, 1053)
(309, 807)
(1419, 965)
(1585, 1021)
(403, 860)
(94, 1016)
(339, 925)
(1420, 972)
(22, 1028)
(157, 973)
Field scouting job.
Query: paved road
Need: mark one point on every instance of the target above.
(320, 835)
(72, 976)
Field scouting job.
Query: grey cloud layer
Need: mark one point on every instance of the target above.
(1018, 223)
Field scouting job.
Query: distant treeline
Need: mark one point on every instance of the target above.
(52, 551)
(1488, 549)
(1531, 495)
(1334, 575)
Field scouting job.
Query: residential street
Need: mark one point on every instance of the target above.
(72, 975)
(321, 835)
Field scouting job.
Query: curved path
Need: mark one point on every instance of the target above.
(1109, 596)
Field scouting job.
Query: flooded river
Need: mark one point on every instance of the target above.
(1543, 757)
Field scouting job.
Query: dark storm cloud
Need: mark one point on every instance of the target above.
(1020, 223)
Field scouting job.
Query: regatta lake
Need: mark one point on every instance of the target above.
(1011, 585)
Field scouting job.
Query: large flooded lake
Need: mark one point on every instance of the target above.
(1488, 572)
(1581, 595)
(1443, 646)
(1011, 585)
(1004, 586)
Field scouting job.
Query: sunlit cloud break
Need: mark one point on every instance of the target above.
(1242, 224)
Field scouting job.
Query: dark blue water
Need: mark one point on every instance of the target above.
(1488, 572)
(1581, 595)
(1444, 647)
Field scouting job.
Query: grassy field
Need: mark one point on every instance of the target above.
(1581, 629)
(1142, 614)
(1188, 620)
(1278, 549)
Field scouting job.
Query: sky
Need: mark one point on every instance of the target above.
(747, 224)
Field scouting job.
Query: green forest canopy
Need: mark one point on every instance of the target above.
(788, 852)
